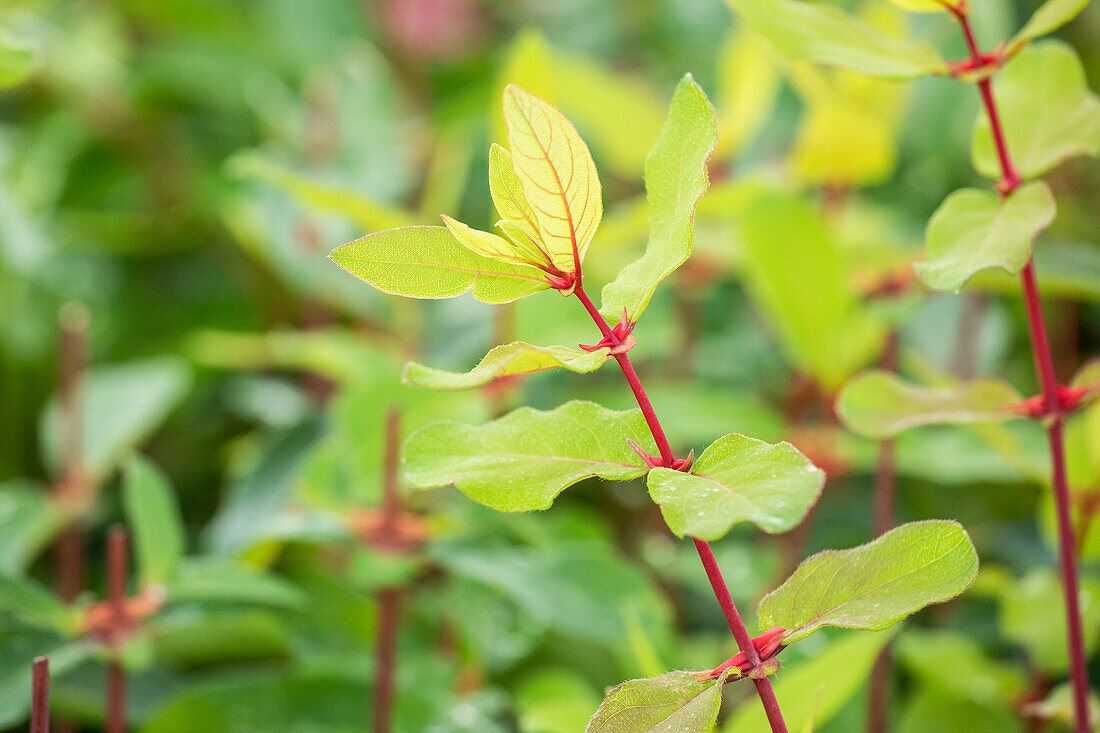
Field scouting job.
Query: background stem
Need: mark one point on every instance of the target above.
(117, 570)
(40, 696)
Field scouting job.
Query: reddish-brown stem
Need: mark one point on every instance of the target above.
(389, 599)
(714, 574)
(40, 696)
(73, 485)
(117, 571)
(389, 615)
(883, 518)
(1044, 365)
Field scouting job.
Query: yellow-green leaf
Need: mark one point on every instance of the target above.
(676, 178)
(518, 221)
(748, 87)
(825, 34)
(1048, 112)
(974, 230)
(557, 173)
(428, 262)
(922, 6)
(507, 360)
(485, 243)
(880, 404)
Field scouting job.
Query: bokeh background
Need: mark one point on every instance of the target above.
(173, 174)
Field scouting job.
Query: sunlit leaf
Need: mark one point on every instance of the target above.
(557, 173)
(620, 113)
(511, 359)
(676, 178)
(796, 273)
(1050, 16)
(736, 479)
(676, 702)
(880, 404)
(122, 405)
(154, 520)
(815, 689)
(1047, 111)
(427, 262)
(748, 88)
(875, 585)
(524, 460)
(825, 34)
(974, 230)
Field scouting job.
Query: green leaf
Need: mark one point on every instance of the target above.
(557, 173)
(123, 405)
(922, 6)
(490, 245)
(675, 702)
(154, 519)
(875, 585)
(353, 205)
(428, 262)
(935, 709)
(1050, 16)
(816, 689)
(880, 404)
(804, 288)
(975, 230)
(30, 520)
(737, 478)
(16, 657)
(975, 675)
(1038, 595)
(675, 178)
(1047, 110)
(825, 34)
(1059, 706)
(217, 579)
(36, 606)
(518, 220)
(511, 359)
(522, 461)
(555, 701)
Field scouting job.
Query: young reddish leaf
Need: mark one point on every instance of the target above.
(737, 478)
(675, 178)
(975, 230)
(825, 34)
(1047, 110)
(676, 701)
(522, 461)
(507, 360)
(879, 404)
(428, 262)
(557, 173)
(873, 586)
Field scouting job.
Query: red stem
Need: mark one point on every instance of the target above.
(73, 487)
(1044, 365)
(389, 599)
(117, 570)
(706, 555)
(40, 696)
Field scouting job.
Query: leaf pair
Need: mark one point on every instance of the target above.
(522, 461)
(871, 587)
